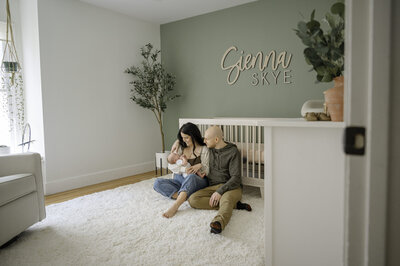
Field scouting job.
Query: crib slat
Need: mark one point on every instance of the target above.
(247, 151)
(234, 134)
(224, 131)
(241, 147)
(230, 133)
(254, 151)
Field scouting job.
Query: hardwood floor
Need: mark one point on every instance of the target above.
(79, 192)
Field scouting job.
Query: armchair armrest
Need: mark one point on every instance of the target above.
(12, 164)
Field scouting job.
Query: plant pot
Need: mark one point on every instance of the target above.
(334, 99)
(10, 67)
(163, 156)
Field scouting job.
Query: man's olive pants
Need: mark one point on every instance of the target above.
(201, 200)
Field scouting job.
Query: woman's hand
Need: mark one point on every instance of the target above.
(175, 147)
(193, 169)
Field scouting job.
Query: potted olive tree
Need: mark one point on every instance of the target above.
(151, 89)
(325, 52)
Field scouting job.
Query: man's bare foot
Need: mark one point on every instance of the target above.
(170, 212)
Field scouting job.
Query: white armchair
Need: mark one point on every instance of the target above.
(21, 193)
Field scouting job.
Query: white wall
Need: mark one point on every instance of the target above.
(93, 131)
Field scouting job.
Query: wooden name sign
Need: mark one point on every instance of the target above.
(249, 61)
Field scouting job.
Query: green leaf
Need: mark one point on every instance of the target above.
(302, 26)
(327, 78)
(338, 9)
(332, 20)
(322, 49)
(313, 26)
(321, 70)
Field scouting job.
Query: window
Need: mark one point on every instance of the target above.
(12, 113)
(5, 137)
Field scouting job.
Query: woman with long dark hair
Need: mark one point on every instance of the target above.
(191, 145)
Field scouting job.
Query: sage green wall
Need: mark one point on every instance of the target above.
(192, 50)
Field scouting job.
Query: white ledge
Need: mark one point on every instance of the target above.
(267, 122)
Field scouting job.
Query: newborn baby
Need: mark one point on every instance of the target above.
(178, 164)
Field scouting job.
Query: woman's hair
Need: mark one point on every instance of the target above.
(193, 131)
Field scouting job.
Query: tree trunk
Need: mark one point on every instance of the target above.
(161, 131)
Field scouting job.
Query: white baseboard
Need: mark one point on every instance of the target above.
(97, 177)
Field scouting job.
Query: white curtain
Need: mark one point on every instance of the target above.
(12, 108)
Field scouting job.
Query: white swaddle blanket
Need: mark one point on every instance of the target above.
(179, 168)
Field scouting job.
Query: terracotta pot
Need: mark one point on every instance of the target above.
(334, 100)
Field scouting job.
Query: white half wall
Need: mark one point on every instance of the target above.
(93, 131)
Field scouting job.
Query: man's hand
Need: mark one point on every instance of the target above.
(214, 200)
(175, 147)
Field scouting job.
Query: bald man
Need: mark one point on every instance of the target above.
(225, 182)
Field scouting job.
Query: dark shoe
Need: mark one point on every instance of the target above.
(216, 227)
(243, 206)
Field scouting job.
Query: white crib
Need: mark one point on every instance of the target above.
(248, 135)
(300, 164)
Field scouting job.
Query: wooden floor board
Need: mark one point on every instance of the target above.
(79, 192)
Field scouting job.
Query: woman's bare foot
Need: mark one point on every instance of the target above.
(171, 211)
(174, 208)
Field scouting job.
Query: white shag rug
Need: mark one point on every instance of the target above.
(124, 226)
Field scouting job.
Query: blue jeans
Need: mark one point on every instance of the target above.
(189, 184)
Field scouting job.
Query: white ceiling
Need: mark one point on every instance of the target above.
(164, 11)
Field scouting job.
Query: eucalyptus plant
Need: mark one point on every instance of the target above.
(152, 85)
(325, 51)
